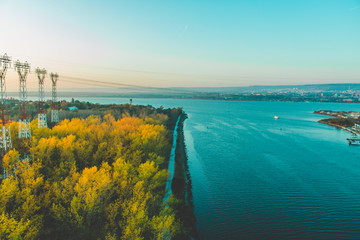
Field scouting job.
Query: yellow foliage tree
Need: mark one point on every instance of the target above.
(94, 178)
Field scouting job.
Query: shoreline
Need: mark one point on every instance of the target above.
(182, 188)
(171, 164)
(206, 99)
(338, 119)
(337, 126)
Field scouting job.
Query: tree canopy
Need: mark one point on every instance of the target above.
(96, 178)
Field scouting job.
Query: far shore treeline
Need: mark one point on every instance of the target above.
(98, 174)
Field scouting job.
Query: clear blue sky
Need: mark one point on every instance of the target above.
(187, 43)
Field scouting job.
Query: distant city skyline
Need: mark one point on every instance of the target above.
(185, 44)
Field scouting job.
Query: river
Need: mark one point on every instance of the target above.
(256, 177)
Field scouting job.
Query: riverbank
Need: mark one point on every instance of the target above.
(345, 120)
(331, 123)
(171, 167)
(181, 189)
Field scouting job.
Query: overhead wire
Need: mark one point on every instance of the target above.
(121, 85)
(98, 83)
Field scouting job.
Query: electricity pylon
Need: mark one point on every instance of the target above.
(5, 135)
(54, 107)
(24, 118)
(42, 121)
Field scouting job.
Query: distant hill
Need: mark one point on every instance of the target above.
(308, 87)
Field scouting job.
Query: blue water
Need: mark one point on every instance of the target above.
(254, 177)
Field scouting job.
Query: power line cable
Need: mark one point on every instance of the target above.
(117, 84)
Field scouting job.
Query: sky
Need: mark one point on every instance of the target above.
(184, 43)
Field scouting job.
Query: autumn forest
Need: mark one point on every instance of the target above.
(98, 177)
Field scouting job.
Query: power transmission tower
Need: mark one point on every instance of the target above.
(42, 121)
(5, 135)
(24, 118)
(54, 107)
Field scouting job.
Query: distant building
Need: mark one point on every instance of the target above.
(72, 108)
(353, 115)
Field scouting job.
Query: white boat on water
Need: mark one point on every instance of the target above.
(354, 141)
(276, 117)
